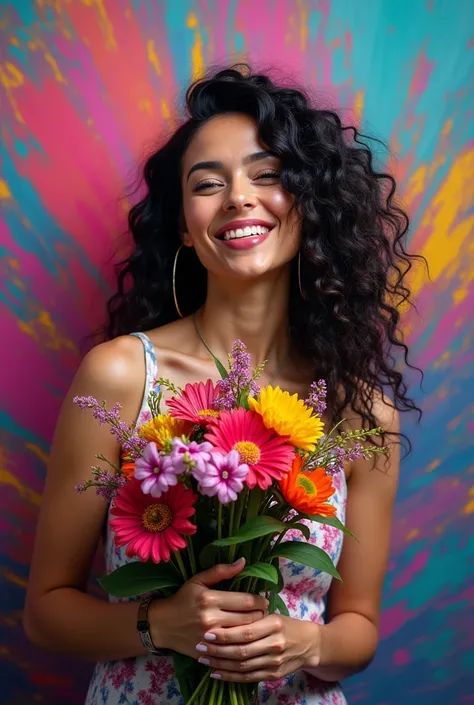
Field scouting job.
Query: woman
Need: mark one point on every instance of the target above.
(280, 233)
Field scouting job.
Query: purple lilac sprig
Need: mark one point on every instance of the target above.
(239, 380)
(317, 397)
(106, 484)
(124, 433)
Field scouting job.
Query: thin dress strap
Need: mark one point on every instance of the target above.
(151, 370)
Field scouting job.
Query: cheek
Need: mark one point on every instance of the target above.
(280, 203)
(199, 214)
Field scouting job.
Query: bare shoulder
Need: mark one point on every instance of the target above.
(384, 411)
(116, 366)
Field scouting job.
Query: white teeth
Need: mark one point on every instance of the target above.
(245, 232)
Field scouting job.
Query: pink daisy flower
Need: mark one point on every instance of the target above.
(222, 475)
(151, 528)
(195, 403)
(268, 455)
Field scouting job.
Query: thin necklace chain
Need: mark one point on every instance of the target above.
(199, 334)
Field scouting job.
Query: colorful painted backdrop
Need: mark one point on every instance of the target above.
(86, 87)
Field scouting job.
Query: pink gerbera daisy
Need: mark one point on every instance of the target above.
(268, 455)
(151, 528)
(195, 403)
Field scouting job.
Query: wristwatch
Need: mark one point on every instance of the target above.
(143, 625)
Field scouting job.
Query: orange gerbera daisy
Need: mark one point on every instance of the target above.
(308, 491)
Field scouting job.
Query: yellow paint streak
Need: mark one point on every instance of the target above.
(49, 58)
(36, 450)
(10, 78)
(14, 41)
(443, 247)
(196, 52)
(13, 263)
(413, 534)
(416, 184)
(4, 190)
(153, 56)
(432, 466)
(303, 10)
(359, 104)
(15, 579)
(7, 478)
(145, 106)
(447, 127)
(165, 111)
(463, 290)
(43, 329)
(469, 508)
(104, 20)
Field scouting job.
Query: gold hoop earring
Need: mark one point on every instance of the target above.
(174, 281)
(299, 276)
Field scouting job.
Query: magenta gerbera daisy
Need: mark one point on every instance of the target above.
(268, 455)
(151, 528)
(195, 403)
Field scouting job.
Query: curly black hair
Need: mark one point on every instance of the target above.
(353, 257)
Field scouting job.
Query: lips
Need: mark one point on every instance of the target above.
(239, 229)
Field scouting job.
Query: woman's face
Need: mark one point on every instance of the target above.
(237, 214)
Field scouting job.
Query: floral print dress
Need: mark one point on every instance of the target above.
(149, 680)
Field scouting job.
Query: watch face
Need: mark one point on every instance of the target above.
(142, 625)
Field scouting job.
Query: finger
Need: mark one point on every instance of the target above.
(221, 571)
(236, 619)
(262, 663)
(244, 634)
(248, 677)
(239, 601)
(229, 657)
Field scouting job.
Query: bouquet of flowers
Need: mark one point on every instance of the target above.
(225, 473)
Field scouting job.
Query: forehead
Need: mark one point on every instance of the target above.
(225, 138)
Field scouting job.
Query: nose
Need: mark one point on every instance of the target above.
(240, 197)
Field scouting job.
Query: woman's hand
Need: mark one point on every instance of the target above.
(181, 621)
(267, 650)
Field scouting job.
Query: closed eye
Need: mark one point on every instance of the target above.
(206, 185)
(268, 175)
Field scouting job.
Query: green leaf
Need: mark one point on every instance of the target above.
(307, 554)
(137, 578)
(330, 521)
(301, 527)
(265, 571)
(244, 399)
(208, 556)
(256, 497)
(279, 605)
(220, 367)
(253, 529)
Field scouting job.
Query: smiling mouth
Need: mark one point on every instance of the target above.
(240, 233)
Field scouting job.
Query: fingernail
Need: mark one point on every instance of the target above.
(204, 661)
(238, 561)
(215, 675)
(202, 648)
(210, 636)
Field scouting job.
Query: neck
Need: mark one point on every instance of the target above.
(255, 312)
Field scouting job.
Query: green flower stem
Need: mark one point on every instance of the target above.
(181, 567)
(220, 693)
(241, 500)
(212, 697)
(192, 560)
(233, 695)
(194, 696)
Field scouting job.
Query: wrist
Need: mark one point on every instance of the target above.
(312, 639)
(157, 621)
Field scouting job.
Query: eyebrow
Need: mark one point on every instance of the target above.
(250, 159)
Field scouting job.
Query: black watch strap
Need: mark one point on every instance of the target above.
(143, 625)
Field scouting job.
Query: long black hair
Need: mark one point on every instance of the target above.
(353, 257)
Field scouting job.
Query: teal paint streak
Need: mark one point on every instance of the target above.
(9, 425)
(181, 38)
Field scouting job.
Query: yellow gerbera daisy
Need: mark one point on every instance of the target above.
(288, 416)
(162, 428)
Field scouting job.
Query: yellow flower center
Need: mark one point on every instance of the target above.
(208, 412)
(306, 484)
(225, 475)
(157, 517)
(248, 451)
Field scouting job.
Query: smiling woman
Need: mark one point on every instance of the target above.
(263, 220)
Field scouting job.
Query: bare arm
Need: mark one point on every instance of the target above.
(59, 614)
(347, 643)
